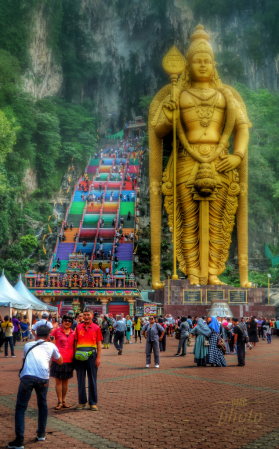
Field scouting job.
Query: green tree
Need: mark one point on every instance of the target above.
(28, 243)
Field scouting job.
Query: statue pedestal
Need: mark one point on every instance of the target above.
(181, 298)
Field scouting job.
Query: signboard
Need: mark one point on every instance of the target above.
(237, 296)
(150, 309)
(192, 296)
(214, 294)
(139, 311)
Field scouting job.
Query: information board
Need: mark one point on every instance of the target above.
(237, 296)
(214, 294)
(150, 309)
(192, 296)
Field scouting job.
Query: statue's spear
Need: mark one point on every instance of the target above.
(174, 64)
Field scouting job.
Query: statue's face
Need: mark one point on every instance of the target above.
(201, 67)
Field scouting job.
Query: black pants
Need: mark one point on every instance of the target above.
(241, 352)
(119, 340)
(260, 332)
(137, 334)
(91, 369)
(162, 343)
(15, 337)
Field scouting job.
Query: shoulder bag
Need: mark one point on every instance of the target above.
(245, 336)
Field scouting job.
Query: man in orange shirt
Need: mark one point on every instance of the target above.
(88, 339)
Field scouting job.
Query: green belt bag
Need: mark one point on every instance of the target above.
(82, 356)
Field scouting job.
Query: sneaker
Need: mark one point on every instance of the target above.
(94, 408)
(41, 436)
(156, 366)
(131, 342)
(16, 444)
(13, 355)
(81, 406)
(146, 366)
(140, 341)
(176, 355)
(120, 351)
(6, 356)
(182, 355)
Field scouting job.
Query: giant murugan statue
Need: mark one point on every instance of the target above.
(210, 183)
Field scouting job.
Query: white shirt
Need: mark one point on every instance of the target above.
(42, 322)
(37, 361)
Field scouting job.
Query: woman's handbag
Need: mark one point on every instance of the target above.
(206, 343)
(128, 328)
(177, 334)
(221, 345)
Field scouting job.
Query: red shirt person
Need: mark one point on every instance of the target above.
(64, 339)
(88, 341)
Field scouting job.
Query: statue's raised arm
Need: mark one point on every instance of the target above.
(210, 183)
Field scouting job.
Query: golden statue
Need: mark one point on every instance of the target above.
(207, 184)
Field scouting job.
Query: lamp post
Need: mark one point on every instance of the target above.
(268, 277)
(168, 273)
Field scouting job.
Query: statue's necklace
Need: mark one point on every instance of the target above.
(203, 94)
(205, 111)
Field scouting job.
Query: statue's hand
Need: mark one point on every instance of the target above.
(228, 163)
(171, 105)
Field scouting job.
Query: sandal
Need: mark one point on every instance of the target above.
(65, 405)
(59, 406)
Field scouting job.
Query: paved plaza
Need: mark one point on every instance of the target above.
(178, 406)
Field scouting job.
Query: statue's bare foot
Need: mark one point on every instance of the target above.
(194, 280)
(157, 285)
(214, 280)
(248, 285)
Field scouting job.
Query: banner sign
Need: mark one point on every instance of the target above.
(150, 309)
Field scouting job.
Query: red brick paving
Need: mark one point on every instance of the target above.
(180, 405)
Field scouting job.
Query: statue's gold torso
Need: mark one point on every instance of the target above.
(189, 104)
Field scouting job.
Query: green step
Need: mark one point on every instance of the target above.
(63, 265)
(90, 176)
(94, 161)
(128, 224)
(75, 218)
(125, 207)
(123, 264)
(91, 218)
(77, 207)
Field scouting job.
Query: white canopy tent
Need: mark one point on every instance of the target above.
(8, 290)
(23, 291)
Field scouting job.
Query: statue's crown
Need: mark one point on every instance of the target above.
(199, 43)
(199, 33)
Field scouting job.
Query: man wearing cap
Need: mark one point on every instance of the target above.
(43, 322)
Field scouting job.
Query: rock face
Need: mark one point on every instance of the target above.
(45, 76)
(30, 180)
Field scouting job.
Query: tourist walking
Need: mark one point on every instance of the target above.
(184, 330)
(16, 326)
(128, 329)
(7, 327)
(215, 352)
(120, 327)
(105, 333)
(253, 331)
(25, 327)
(162, 343)
(202, 331)
(240, 340)
(43, 322)
(137, 328)
(151, 333)
(34, 375)
(268, 333)
(88, 346)
(64, 339)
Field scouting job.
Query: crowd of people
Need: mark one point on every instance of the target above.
(74, 342)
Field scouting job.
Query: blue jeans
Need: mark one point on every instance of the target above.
(27, 383)
(268, 337)
(11, 341)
